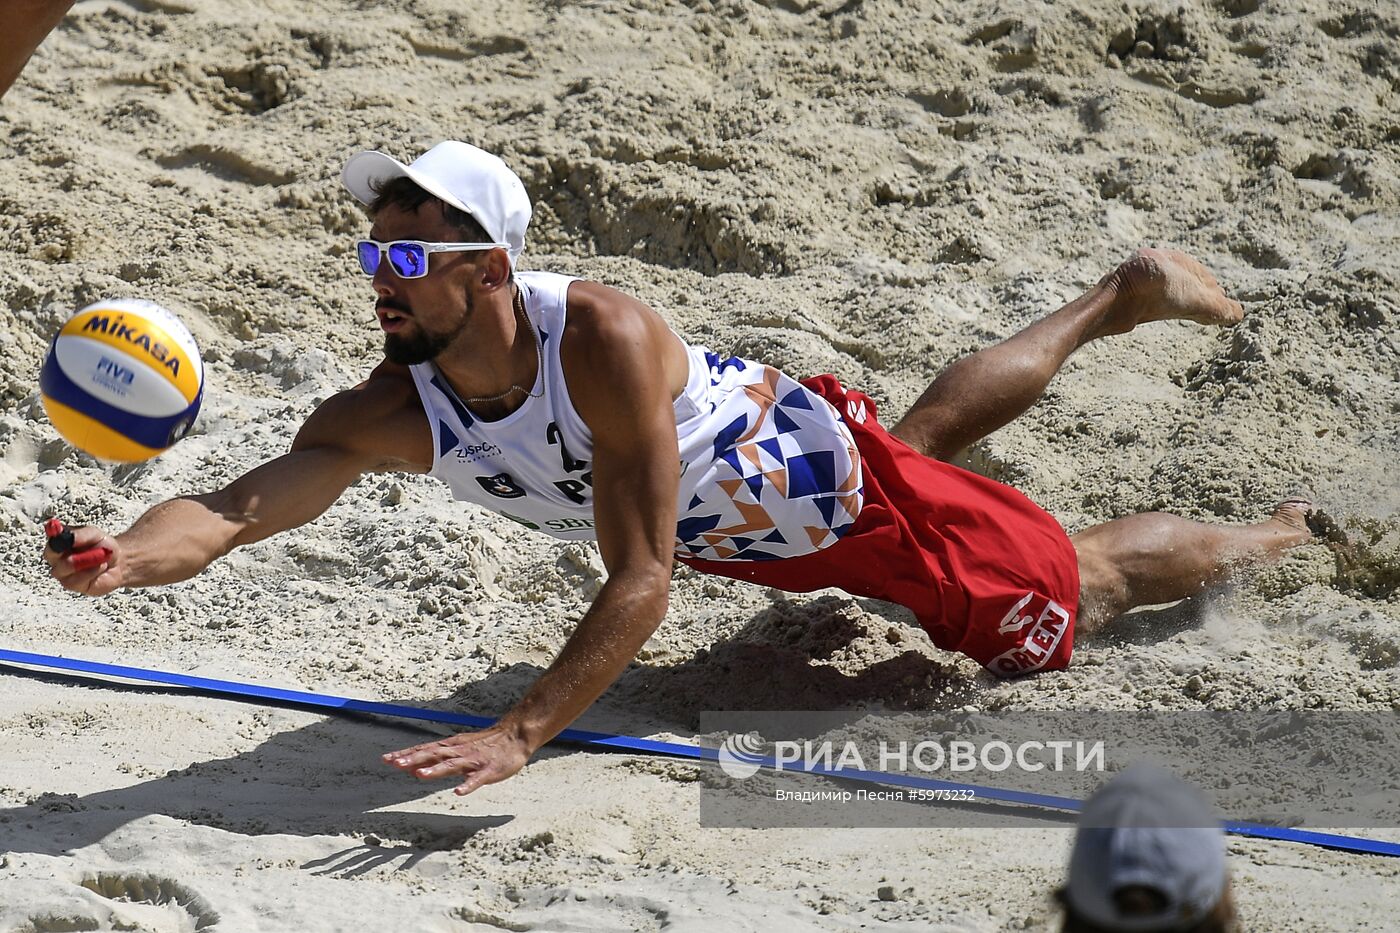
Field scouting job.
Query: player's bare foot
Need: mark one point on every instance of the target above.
(1266, 541)
(1290, 522)
(1166, 285)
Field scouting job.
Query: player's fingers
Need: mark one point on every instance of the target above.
(95, 581)
(73, 579)
(417, 756)
(52, 557)
(104, 583)
(448, 767)
(411, 752)
(86, 541)
(474, 781)
(85, 536)
(87, 581)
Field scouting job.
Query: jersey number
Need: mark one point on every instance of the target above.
(573, 488)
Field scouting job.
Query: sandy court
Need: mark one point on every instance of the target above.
(865, 187)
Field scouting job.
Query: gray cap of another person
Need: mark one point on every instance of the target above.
(468, 178)
(1147, 828)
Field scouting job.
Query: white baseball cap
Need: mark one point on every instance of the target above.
(1147, 828)
(468, 178)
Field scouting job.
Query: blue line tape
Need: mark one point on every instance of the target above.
(672, 749)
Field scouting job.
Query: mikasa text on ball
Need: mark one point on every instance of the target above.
(123, 380)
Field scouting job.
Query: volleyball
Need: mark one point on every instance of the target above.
(122, 380)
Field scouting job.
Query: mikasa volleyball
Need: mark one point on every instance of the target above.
(123, 380)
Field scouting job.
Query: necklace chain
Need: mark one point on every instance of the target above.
(539, 353)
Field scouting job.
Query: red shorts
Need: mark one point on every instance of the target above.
(984, 569)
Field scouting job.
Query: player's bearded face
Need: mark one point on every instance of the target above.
(418, 344)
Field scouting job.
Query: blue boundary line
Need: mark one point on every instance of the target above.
(652, 746)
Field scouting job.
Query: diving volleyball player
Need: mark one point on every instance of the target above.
(574, 409)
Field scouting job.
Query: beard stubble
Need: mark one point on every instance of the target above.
(422, 345)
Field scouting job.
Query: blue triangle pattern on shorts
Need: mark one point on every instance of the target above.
(773, 446)
(783, 422)
(797, 398)
(726, 436)
(688, 528)
(811, 474)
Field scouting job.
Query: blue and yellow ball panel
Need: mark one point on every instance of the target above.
(145, 332)
(123, 380)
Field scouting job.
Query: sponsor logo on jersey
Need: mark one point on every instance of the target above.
(569, 524)
(471, 453)
(501, 485)
(1039, 641)
(554, 524)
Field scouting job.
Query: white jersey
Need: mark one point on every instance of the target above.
(768, 469)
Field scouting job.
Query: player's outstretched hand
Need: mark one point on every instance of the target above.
(478, 758)
(69, 568)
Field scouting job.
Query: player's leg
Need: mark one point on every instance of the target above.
(977, 394)
(1155, 558)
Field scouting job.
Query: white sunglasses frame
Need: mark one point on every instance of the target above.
(427, 249)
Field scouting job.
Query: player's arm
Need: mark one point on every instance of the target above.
(352, 433)
(636, 475)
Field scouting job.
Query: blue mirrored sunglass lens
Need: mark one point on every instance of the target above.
(408, 259)
(368, 254)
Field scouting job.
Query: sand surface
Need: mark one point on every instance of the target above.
(866, 187)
